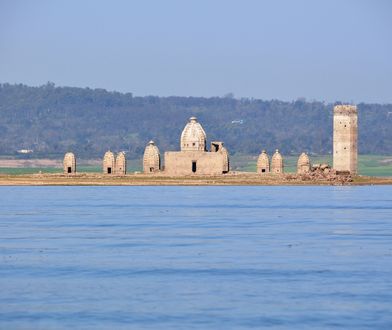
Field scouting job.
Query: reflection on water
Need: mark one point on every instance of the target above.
(195, 257)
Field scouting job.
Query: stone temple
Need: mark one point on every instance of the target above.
(151, 158)
(303, 164)
(69, 163)
(108, 163)
(263, 165)
(121, 163)
(277, 163)
(345, 138)
(194, 158)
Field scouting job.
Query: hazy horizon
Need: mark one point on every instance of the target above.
(332, 51)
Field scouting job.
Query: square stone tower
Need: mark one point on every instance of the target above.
(345, 138)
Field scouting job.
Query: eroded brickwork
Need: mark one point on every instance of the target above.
(345, 138)
(69, 163)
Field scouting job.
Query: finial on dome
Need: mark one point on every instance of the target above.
(151, 142)
(277, 150)
(193, 119)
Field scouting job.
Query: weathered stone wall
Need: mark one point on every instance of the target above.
(277, 163)
(345, 138)
(121, 164)
(263, 164)
(179, 163)
(151, 158)
(69, 163)
(108, 163)
(303, 164)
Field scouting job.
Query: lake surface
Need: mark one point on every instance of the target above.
(195, 257)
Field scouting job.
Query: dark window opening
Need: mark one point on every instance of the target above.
(151, 169)
(194, 143)
(194, 167)
(109, 170)
(69, 170)
(263, 170)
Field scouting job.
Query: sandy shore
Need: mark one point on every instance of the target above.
(162, 180)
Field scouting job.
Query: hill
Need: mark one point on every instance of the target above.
(52, 120)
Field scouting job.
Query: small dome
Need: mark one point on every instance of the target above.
(277, 162)
(69, 163)
(151, 158)
(303, 159)
(303, 164)
(263, 165)
(121, 163)
(108, 163)
(193, 137)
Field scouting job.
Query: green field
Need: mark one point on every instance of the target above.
(371, 165)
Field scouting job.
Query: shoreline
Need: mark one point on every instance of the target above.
(235, 179)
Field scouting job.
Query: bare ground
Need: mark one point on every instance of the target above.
(244, 178)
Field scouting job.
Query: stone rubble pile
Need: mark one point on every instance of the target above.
(323, 172)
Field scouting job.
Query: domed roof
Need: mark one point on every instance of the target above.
(121, 163)
(69, 156)
(277, 162)
(108, 156)
(263, 165)
(263, 156)
(277, 156)
(151, 158)
(193, 137)
(303, 159)
(121, 157)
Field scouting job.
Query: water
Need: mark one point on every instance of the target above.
(195, 257)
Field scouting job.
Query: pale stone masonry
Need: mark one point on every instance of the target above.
(121, 164)
(151, 158)
(108, 163)
(263, 163)
(194, 157)
(303, 164)
(69, 163)
(193, 137)
(345, 138)
(277, 163)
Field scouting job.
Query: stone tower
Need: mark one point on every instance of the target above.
(151, 158)
(277, 163)
(108, 163)
(193, 137)
(345, 138)
(263, 165)
(121, 164)
(303, 164)
(69, 163)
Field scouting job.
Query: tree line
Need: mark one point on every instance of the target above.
(53, 120)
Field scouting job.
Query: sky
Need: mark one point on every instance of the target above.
(335, 50)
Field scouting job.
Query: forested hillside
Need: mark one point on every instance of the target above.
(52, 120)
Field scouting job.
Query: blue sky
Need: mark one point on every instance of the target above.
(323, 50)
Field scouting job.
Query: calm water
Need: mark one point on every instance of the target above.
(195, 257)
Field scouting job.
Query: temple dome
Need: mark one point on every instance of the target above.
(277, 162)
(303, 164)
(121, 163)
(108, 162)
(151, 158)
(69, 163)
(193, 137)
(263, 165)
